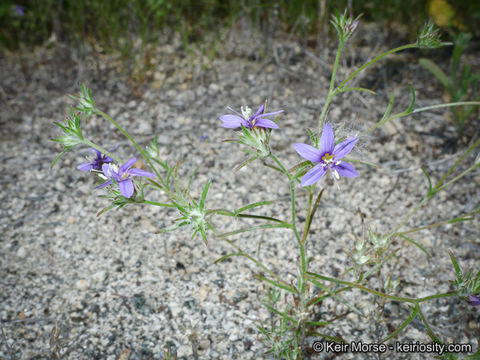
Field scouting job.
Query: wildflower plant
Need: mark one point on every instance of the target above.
(295, 320)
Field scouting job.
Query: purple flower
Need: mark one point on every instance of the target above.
(97, 162)
(473, 300)
(329, 156)
(248, 120)
(122, 176)
(19, 10)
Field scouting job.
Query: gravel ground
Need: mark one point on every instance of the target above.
(113, 289)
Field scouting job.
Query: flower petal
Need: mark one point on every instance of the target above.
(345, 169)
(107, 171)
(86, 166)
(140, 172)
(473, 300)
(106, 183)
(314, 174)
(114, 148)
(124, 168)
(343, 149)
(327, 141)
(126, 188)
(271, 113)
(259, 111)
(265, 123)
(308, 152)
(233, 121)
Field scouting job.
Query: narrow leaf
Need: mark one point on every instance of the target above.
(204, 194)
(227, 256)
(336, 297)
(253, 205)
(416, 244)
(457, 268)
(436, 71)
(274, 283)
(404, 324)
(260, 227)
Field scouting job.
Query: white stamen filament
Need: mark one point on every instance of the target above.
(335, 174)
(246, 112)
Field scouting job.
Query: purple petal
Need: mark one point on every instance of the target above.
(272, 113)
(343, 149)
(473, 300)
(308, 152)
(107, 171)
(107, 159)
(127, 165)
(86, 166)
(106, 183)
(114, 148)
(94, 151)
(126, 188)
(140, 172)
(265, 123)
(327, 141)
(259, 111)
(345, 169)
(233, 121)
(313, 175)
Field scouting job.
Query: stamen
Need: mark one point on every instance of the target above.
(327, 158)
(335, 174)
(246, 112)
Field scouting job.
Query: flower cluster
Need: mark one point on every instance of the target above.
(429, 36)
(344, 25)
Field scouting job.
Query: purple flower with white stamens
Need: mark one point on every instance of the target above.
(97, 162)
(122, 176)
(257, 120)
(328, 157)
(473, 300)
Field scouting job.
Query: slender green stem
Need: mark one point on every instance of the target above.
(309, 214)
(439, 106)
(470, 169)
(409, 216)
(257, 262)
(426, 108)
(378, 293)
(379, 57)
(431, 226)
(426, 198)
(127, 135)
(154, 203)
(460, 159)
(294, 226)
(331, 91)
(102, 150)
(430, 332)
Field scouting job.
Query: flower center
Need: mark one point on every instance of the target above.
(327, 158)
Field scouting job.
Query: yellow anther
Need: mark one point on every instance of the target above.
(327, 158)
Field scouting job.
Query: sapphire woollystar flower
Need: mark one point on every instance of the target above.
(257, 120)
(122, 176)
(328, 157)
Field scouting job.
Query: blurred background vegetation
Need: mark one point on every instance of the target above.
(114, 23)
